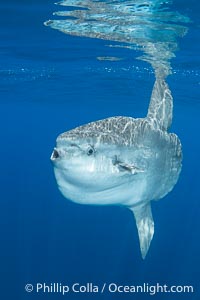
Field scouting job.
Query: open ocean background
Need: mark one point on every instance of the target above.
(49, 83)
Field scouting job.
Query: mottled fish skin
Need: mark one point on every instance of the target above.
(123, 131)
(119, 130)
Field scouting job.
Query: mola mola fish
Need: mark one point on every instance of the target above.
(122, 161)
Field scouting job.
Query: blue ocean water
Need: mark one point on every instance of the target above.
(50, 83)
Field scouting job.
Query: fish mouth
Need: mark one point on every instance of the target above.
(55, 155)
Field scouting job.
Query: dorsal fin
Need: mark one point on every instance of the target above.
(161, 105)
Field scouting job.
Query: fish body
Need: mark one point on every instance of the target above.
(122, 161)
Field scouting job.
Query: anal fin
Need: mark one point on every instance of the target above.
(145, 226)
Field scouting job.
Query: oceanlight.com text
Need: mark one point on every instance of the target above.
(64, 289)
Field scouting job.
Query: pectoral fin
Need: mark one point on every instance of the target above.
(126, 167)
(145, 226)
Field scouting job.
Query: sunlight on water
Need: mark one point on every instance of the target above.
(142, 25)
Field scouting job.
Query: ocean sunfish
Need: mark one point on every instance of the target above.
(122, 161)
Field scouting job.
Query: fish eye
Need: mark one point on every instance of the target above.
(90, 151)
